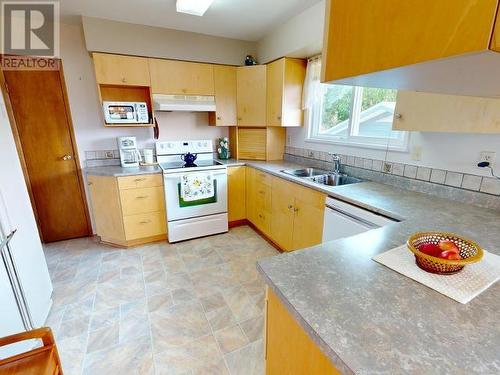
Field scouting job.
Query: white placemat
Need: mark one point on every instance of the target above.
(462, 286)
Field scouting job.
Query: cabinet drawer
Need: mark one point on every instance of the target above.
(143, 200)
(263, 178)
(262, 196)
(140, 181)
(144, 225)
(263, 220)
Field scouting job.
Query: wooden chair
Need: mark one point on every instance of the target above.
(39, 361)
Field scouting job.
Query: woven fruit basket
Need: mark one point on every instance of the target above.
(469, 251)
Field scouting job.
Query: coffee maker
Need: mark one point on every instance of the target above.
(129, 154)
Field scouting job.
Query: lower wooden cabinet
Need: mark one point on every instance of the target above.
(289, 214)
(129, 210)
(236, 193)
(288, 348)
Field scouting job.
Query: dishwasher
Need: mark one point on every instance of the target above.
(344, 220)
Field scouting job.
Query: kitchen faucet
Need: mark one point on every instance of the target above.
(336, 163)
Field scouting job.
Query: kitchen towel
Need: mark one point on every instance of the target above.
(462, 287)
(197, 186)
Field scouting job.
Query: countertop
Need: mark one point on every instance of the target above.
(369, 319)
(117, 171)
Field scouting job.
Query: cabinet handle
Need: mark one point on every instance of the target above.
(262, 192)
(139, 179)
(260, 215)
(290, 207)
(124, 80)
(279, 117)
(141, 197)
(295, 210)
(145, 222)
(398, 116)
(90, 183)
(219, 118)
(239, 119)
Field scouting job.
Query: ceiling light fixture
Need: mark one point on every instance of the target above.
(194, 7)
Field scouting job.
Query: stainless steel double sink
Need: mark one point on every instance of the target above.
(322, 177)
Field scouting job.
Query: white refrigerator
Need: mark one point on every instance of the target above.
(25, 285)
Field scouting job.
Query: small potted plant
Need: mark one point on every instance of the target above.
(223, 149)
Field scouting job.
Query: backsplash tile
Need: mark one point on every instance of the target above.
(467, 188)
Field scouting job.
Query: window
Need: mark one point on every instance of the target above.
(350, 115)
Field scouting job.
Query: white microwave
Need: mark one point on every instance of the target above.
(126, 112)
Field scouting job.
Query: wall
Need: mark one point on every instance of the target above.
(454, 152)
(130, 39)
(301, 36)
(87, 114)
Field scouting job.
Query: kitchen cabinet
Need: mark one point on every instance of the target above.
(251, 95)
(259, 200)
(426, 112)
(129, 210)
(121, 70)
(180, 77)
(288, 348)
(448, 46)
(236, 193)
(285, 81)
(297, 215)
(225, 96)
(257, 143)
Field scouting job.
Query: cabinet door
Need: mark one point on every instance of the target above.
(282, 220)
(251, 95)
(250, 192)
(369, 36)
(420, 111)
(182, 78)
(309, 212)
(275, 85)
(236, 188)
(225, 95)
(121, 70)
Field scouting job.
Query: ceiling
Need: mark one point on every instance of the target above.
(239, 19)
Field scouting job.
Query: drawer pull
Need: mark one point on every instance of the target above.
(139, 179)
(141, 197)
(260, 215)
(145, 222)
(262, 192)
(290, 207)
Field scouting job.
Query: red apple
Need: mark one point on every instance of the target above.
(448, 246)
(430, 249)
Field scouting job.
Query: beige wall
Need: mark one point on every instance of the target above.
(87, 115)
(301, 36)
(130, 39)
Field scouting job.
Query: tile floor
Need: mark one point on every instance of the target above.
(190, 308)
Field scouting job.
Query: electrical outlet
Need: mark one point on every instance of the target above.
(488, 156)
(109, 154)
(387, 167)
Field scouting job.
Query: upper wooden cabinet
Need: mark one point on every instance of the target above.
(225, 96)
(121, 70)
(285, 81)
(428, 112)
(179, 77)
(448, 46)
(251, 95)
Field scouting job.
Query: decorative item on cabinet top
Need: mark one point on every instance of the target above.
(448, 46)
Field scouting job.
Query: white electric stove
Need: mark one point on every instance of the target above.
(198, 219)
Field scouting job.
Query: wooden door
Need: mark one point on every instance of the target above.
(275, 78)
(225, 95)
(251, 95)
(180, 77)
(309, 212)
(282, 219)
(43, 123)
(236, 205)
(121, 70)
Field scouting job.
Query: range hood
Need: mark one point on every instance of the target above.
(187, 103)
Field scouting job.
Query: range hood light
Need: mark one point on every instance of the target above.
(194, 7)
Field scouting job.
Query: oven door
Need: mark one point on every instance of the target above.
(178, 211)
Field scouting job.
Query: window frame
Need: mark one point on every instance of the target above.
(314, 119)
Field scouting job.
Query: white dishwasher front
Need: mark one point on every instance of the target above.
(344, 220)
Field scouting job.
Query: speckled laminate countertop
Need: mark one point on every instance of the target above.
(371, 320)
(117, 171)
